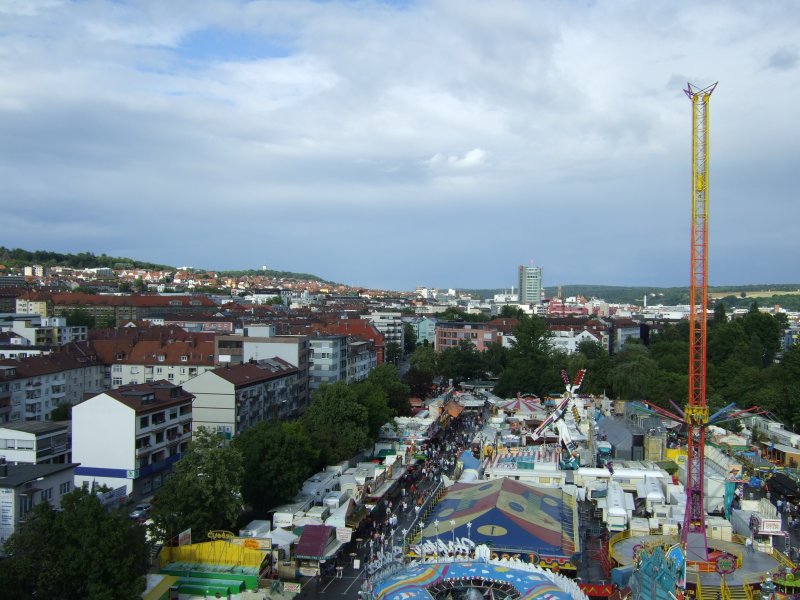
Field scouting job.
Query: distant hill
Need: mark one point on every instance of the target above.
(17, 257)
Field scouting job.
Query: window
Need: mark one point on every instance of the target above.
(116, 381)
(117, 368)
(171, 376)
(184, 358)
(65, 487)
(144, 422)
(47, 494)
(173, 413)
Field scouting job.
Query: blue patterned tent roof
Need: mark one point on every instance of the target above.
(413, 583)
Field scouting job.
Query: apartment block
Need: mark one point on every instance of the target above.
(233, 398)
(131, 436)
(35, 442)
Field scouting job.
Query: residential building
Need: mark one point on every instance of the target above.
(22, 487)
(359, 328)
(194, 323)
(390, 324)
(116, 310)
(233, 398)
(530, 284)
(361, 359)
(174, 355)
(450, 334)
(328, 360)
(43, 331)
(567, 340)
(424, 329)
(35, 303)
(294, 349)
(35, 442)
(30, 388)
(131, 436)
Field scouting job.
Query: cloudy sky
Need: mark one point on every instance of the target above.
(401, 143)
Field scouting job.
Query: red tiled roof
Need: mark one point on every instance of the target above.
(70, 299)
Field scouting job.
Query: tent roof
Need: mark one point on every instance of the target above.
(313, 541)
(507, 514)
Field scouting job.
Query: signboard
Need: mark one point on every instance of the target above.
(185, 537)
(309, 571)
(726, 563)
(254, 543)
(678, 558)
(6, 513)
(770, 526)
(132, 474)
(219, 534)
(344, 534)
(292, 588)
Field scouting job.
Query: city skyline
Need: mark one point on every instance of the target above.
(398, 143)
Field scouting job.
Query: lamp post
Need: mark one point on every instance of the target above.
(405, 532)
(469, 530)
(436, 527)
(453, 526)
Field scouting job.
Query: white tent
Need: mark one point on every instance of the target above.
(281, 538)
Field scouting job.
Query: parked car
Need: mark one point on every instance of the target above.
(140, 511)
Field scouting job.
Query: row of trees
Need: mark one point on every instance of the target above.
(208, 489)
(742, 365)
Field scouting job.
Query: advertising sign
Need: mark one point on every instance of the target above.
(219, 534)
(185, 537)
(344, 534)
(6, 513)
(292, 588)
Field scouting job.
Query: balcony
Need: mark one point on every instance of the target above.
(144, 450)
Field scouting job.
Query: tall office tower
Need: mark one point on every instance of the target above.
(530, 285)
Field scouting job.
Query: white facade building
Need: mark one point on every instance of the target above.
(231, 399)
(30, 388)
(131, 436)
(22, 487)
(328, 360)
(390, 324)
(35, 442)
(530, 284)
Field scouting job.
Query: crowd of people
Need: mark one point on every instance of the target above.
(409, 501)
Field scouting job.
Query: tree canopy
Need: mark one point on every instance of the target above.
(82, 551)
(204, 491)
(337, 422)
(278, 458)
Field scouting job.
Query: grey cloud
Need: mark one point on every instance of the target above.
(784, 58)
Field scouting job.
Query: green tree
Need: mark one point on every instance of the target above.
(337, 423)
(511, 312)
(372, 397)
(461, 362)
(633, 371)
(494, 358)
(278, 458)
(82, 551)
(409, 339)
(62, 412)
(424, 358)
(204, 491)
(531, 364)
(393, 353)
(386, 377)
(80, 317)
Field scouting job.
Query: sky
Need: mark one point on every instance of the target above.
(390, 144)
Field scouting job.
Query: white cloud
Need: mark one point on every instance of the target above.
(473, 158)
